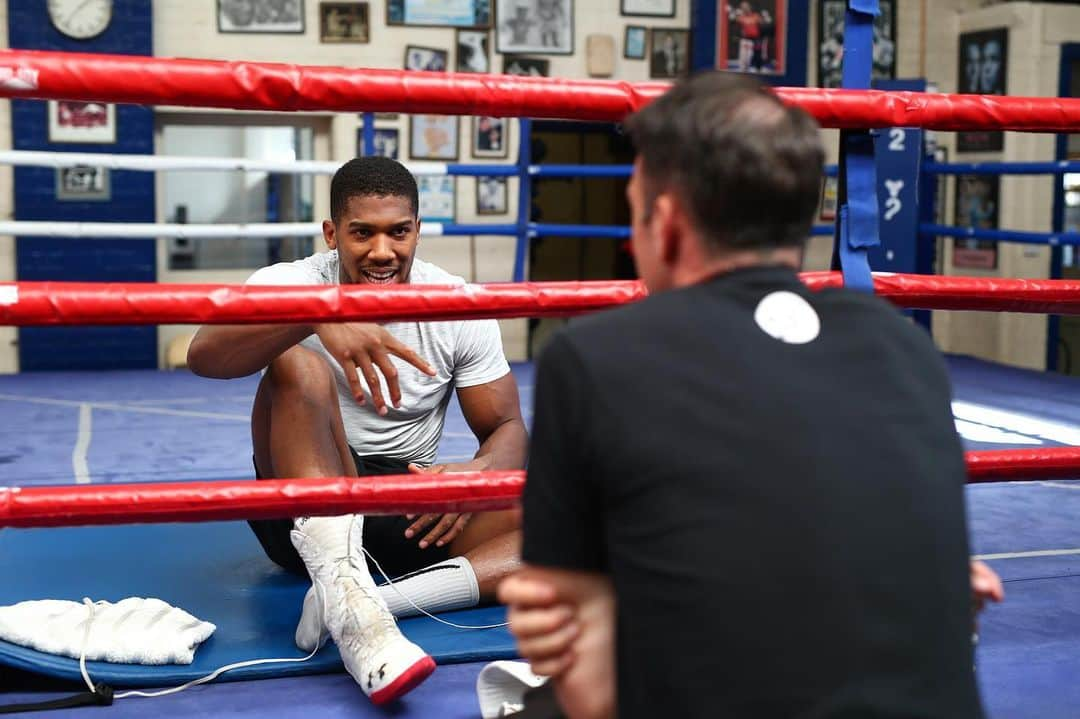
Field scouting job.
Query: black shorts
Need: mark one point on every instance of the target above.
(384, 536)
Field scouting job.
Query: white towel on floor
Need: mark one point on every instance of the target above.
(501, 688)
(132, 631)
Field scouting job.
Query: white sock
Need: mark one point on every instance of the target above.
(439, 588)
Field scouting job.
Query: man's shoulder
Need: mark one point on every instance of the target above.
(427, 273)
(320, 268)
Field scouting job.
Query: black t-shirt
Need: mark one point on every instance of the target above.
(783, 519)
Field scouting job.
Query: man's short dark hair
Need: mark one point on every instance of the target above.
(374, 175)
(748, 166)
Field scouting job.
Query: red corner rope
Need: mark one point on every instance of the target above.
(275, 86)
(405, 494)
(88, 303)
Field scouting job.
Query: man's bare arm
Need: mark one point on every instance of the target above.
(564, 623)
(228, 351)
(494, 415)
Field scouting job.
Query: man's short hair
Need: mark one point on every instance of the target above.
(748, 166)
(374, 175)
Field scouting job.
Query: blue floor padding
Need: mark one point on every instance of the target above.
(215, 571)
(152, 426)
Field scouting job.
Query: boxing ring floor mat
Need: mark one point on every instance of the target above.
(216, 572)
(147, 426)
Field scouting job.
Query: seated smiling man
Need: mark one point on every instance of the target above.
(348, 399)
(772, 524)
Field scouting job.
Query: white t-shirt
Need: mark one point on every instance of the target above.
(462, 353)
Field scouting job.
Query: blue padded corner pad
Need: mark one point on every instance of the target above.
(215, 571)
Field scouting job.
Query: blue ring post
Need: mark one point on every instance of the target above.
(524, 198)
(857, 210)
(369, 134)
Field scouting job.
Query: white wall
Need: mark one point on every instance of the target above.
(1036, 32)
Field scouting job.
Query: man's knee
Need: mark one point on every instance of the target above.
(302, 374)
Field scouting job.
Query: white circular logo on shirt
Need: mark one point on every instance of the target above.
(787, 317)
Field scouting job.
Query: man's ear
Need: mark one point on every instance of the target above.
(667, 228)
(418, 228)
(328, 233)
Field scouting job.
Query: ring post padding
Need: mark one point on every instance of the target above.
(857, 218)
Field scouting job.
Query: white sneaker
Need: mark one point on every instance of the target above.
(344, 602)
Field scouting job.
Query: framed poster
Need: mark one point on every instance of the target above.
(344, 22)
(529, 66)
(261, 16)
(83, 183)
(439, 13)
(541, 27)
(431, 59)
(386, 141)
(982, 69)
(473, 51)
(433, 137)
(437, 198)
(829, 194)
(647, 8)
(977, 202)
(634, 42)
(752, 36)
(669, 53)
(831, 19)
(77, 121)
(491, 195)
(490, 137)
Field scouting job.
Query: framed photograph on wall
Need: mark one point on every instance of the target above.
(439, 13)
(83, 183)
(829, 194)
(433, 137)
(344, 22)
(830, 27)
(437, 198)
(982, 69)
(541, 27)
(431, 59)
(977, 203)
(261, 16)
(490, 137)
(529, 66)
(387, 142)
(635, 42)
(647, 8)
(752, 37)
(473, 51)
(77, 121)
(669, 56)
(491, 193)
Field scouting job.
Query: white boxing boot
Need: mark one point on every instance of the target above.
(344, 603)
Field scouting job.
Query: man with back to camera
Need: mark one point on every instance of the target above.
(773, 524)
(342, 399)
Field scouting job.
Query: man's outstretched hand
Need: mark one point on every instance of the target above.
(365, 347)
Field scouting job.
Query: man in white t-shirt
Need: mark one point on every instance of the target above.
(348, 399)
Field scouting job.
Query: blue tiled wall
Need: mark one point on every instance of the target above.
(130, 32)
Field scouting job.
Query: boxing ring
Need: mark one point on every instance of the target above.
(152, 452)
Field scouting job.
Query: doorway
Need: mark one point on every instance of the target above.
(580, 201)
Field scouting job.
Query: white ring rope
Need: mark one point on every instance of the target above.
(151, 163)
(150, 230)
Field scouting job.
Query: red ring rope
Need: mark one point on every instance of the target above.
(273, 86)
(406, 494)
(89, 303)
